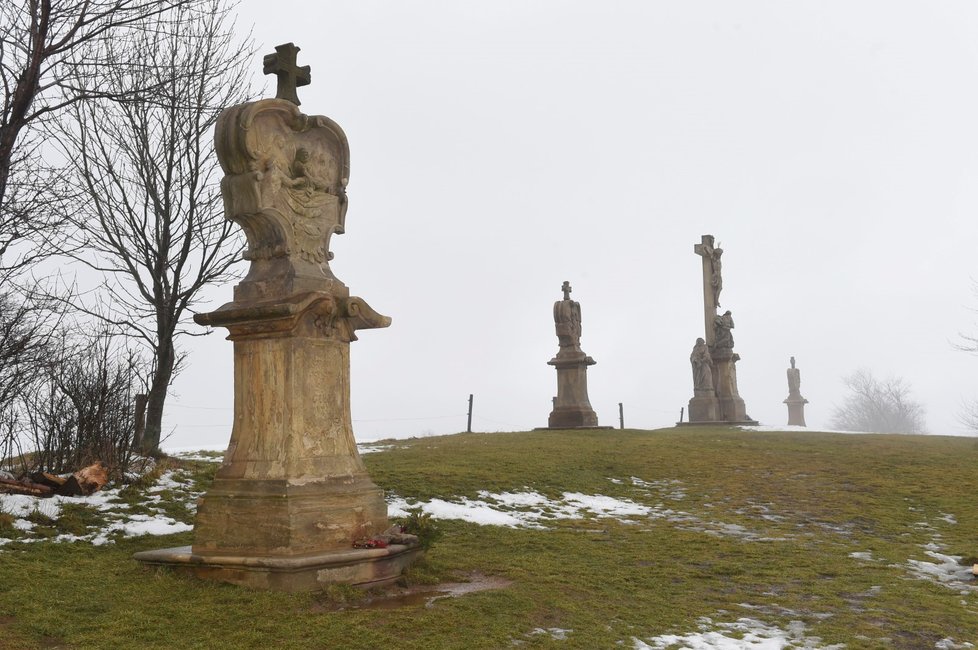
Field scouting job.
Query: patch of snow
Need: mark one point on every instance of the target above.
(137, 525)
(743, 634)
(518, 499)
(670, 488)
(603, 506)
(369, 448)
(948, 518)
(863, 555)
(166, 482)
(946, 571)
(949, 644)
(555, 633)
(531, 510)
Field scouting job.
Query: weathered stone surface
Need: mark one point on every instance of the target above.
(306, 572)
(292, 494)
(572, 408)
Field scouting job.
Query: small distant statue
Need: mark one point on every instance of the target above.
(567, 318)
(721, 327)
(794, 380)
(702, 366)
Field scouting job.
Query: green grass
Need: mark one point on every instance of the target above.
(816, 497)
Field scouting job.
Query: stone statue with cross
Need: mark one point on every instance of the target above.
(292, 507)
(571, 407)
(716, 398)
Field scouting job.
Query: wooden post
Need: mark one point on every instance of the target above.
(469, 428)
(140, 421)
(621, 416)
(681, 411)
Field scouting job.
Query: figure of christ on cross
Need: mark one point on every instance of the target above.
(711, 283)
(290, 76)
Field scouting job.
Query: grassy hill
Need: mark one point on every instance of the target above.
(629, 539)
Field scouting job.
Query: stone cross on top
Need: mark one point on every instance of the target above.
(566, 288)
(290, 76)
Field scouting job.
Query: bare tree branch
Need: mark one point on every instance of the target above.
(52, 55)
(152, 215)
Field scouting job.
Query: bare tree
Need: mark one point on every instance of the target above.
(49, 54)
(81, 409)
(880, 406)
(27, 332)
(152, 219)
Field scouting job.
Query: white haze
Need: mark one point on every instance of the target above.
(500, 148)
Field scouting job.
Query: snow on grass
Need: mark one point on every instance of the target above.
(119, 521)
(522, 509)
(949, 644)
(742, 634)
(947, 571)
(134, 526)
(865, 556)
(529, 509)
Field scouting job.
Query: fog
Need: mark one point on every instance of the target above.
(501, 148)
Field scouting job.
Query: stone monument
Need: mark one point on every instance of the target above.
(715, 395)
(796, 403)
(572, 409)
(292, 496)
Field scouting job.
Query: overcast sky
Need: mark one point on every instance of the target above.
(500, 148)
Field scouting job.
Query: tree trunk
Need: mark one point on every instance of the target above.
(165, 359)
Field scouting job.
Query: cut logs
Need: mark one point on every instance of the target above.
(42, 484)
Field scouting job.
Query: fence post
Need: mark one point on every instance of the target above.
(621, 415)
(469, 428)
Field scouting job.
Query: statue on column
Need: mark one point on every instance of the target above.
(571, 408)
(796, 403)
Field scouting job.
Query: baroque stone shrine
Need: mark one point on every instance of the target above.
(292, 496)
(571, 408)
(716, 398)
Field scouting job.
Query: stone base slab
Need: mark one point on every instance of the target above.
(310, 572)
(607, 426)
(720, 423)
(573, 417)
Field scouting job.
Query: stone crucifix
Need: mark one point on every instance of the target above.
(282, 64)
(566, 288)
(712, 283)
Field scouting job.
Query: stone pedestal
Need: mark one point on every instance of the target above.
(572, 408)
(292, 494)
(796, 411)
(731, 405)
(704, 407)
